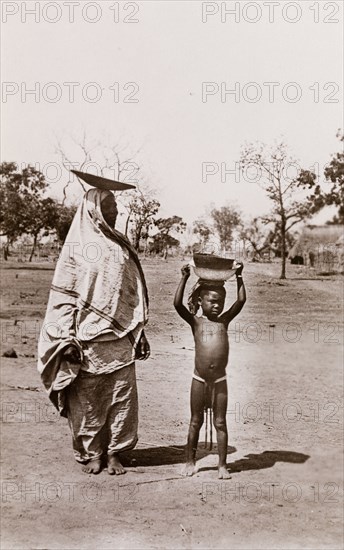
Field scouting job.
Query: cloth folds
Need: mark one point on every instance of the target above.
(98, 289)
(103, 413)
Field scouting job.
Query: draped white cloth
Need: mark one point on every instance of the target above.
(98, 289)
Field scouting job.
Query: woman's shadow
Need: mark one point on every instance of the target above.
(175, 454)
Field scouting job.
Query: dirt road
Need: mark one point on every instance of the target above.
(285, 422)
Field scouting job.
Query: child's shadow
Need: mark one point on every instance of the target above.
(159, 456)
(266, 459)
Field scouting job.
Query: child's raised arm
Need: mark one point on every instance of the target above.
(178, 298)
(229, 315)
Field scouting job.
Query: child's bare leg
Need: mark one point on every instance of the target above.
(220, 408)
(197, 406)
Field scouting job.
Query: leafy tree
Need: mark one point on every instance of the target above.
(25, 210)
(161, 243)
(11, 205)
(334, 174)
(165, 227)
(41, 216)
(273, 164)
(274, 240)
(255, 233)
(65, 215)
(21, 195)
(202, 229)
(45, 216)
(142, 210)
(226, 219)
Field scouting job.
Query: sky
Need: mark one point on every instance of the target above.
(157, 76)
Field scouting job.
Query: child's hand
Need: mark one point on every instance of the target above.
(239, 269)
(186, 271)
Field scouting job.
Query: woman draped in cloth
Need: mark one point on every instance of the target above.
(92, 334)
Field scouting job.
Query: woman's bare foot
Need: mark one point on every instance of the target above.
(224, 473)
(189, 469)
(114, 466)
(92, 467)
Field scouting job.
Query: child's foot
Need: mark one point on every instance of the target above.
(224, 473)
(114, 466)
(92, 467)
(189, 469)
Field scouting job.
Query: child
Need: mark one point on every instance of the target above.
(211, 357)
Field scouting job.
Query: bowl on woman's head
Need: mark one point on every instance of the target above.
(213, 268)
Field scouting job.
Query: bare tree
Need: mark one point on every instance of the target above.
(104, 158)
(69, 164)
(279, 177)
(115, 161)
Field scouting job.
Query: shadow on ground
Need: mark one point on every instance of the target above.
(266, 459)
(159, 456)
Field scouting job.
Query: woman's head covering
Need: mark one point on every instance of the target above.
(98, 271)
(94, 199)
(98, 286)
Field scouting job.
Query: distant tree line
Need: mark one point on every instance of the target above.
(291, 202)
(26, 210)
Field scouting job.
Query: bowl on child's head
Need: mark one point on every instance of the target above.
(213, 268)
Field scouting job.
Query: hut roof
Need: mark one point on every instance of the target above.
(314, 237)
(340, 241)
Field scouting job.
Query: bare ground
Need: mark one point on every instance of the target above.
(285, 422)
